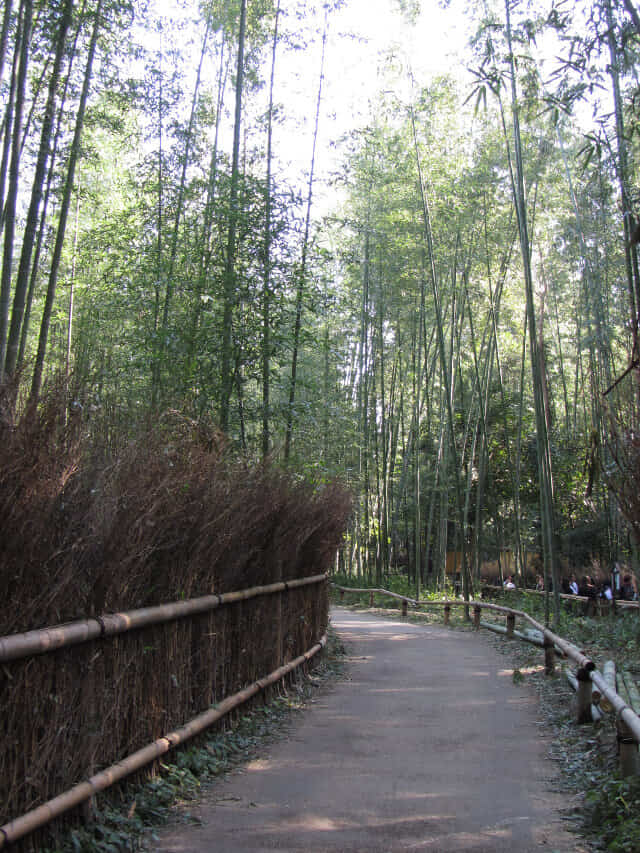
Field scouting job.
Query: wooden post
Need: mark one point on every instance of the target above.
(404, 607)
(477, 610)
(584, 696)
(628, 751)
(371, 599)
(511, 624)
(341, 595)
(549, 657)
(447, 613)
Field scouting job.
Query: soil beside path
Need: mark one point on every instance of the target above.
(428, 746)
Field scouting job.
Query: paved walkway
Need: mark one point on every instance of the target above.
(429, 746)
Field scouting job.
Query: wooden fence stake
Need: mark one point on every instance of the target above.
(447, 613)
(628, 751)
(549, 657)
(341, 595)
(371, 599)
(477, 610)
(511, 624)
(584, 696)
(404, 607)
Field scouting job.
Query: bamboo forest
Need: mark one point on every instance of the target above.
(435, 305)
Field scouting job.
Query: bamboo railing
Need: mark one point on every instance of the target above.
(84, 791)
(566, 596)
(49, 639)
(588, 675)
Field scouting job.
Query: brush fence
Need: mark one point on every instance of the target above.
(102, 693)
(593, 687)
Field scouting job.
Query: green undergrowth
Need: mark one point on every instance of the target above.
(129, 818)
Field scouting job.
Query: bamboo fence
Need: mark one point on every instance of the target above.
(44, 814)
(99, 693)
(49, 639)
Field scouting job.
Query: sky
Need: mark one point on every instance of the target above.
(360, 35)
(431, 46)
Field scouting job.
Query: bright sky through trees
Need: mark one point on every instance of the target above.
(371, 47)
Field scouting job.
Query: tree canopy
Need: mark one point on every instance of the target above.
(454, 333)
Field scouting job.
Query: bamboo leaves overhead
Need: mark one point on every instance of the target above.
(389, 332)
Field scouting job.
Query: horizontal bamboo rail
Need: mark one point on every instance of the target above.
(42, 640)
(586, 667)
(40, 816)
(380, 591)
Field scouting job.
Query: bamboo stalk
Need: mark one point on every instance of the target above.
(609, 675)
(573, 681)
(622, 691)
(628, 745)
(42, 640)
(619, 704)
(549, 656)
(632, 690)
(533, 637)
(45, 813)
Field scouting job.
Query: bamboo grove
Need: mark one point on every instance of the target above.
(451, 336)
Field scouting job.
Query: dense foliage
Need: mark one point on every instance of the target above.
(448, 338)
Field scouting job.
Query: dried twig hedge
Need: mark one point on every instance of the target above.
(173, 516)
(166, 520)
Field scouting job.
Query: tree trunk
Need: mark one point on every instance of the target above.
(7, 121)
(163, 331)
(266, 287)
(622, 168)
(14, 173)
(64, 210)
(22, 280)
(226, 373)
(543, 449)
(206, 248)
(72, 283)
(303, 262)
(446, 369)
(4, 34)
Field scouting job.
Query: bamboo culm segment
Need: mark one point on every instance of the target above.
(44, 640)
(82, 792)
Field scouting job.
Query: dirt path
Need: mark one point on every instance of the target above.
(428, 746)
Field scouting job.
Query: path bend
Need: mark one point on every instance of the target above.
(427, 746)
